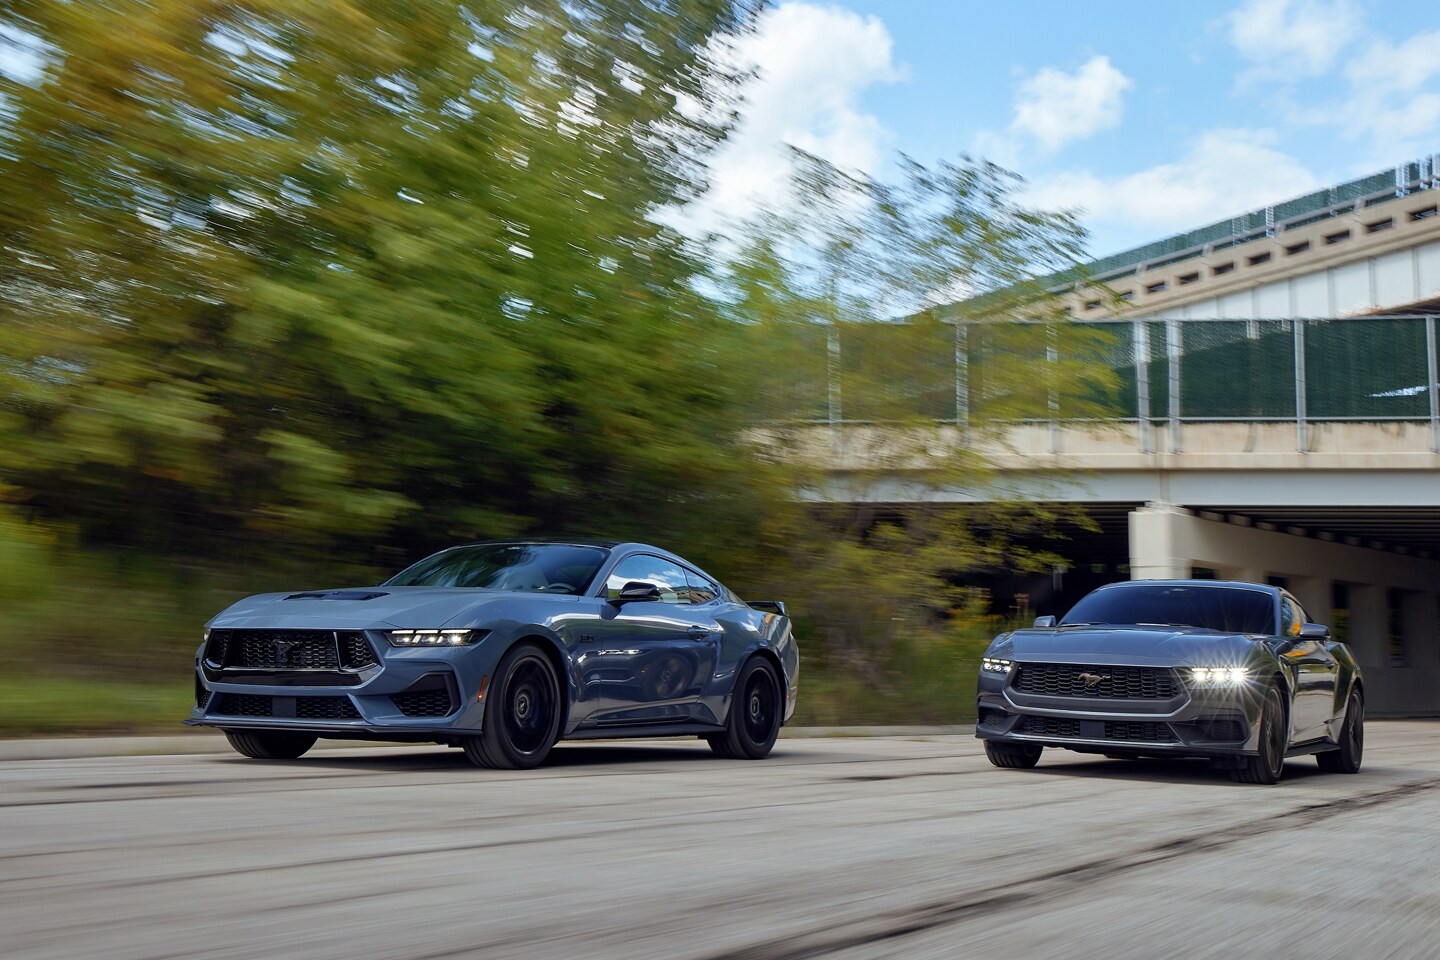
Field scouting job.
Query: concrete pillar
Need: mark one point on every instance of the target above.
(1418, 618)
(1152, 543)
(1314, 594)
(1369, 627)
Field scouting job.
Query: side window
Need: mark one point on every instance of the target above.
(701, 590)
(674, 588)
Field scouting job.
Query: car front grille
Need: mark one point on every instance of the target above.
(202, 695)
(424, 703)
(1096, 682)
(1144, 732)
(1051, 727)
(281, 650)
(284, 650)
(355, 651)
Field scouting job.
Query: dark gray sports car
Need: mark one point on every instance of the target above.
(503, 648)
(1232, 672)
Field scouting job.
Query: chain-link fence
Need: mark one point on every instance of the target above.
(1379, 368)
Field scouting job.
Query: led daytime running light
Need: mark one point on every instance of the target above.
(433, 638)
(1219, 676)
(995, 665)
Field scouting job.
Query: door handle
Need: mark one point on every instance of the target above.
(699, 633)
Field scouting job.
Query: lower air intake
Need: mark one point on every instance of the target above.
(1142, 732)
(325, 708)
(424, 703)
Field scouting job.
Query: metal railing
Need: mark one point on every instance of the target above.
(1271, 221)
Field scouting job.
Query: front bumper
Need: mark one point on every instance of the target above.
(1197, 722)
(421, 693)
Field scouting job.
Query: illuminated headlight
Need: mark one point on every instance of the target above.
(433, 638)
(993, 665)
(1219, 676)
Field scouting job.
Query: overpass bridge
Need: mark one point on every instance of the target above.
(1277, 417)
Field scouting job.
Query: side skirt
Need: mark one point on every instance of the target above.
(648, 730)
(1315, 746)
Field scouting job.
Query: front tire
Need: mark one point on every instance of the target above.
(1352, 740)
(1266, 766)
(270, 744)
(1014, 756)
(754, 720)
(522, 716)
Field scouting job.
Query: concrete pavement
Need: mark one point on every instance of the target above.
(854, 848)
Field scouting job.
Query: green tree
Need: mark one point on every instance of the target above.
(866, 293)
(300, 272)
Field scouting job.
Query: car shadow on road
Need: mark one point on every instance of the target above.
(1161, 770)
(422, 757)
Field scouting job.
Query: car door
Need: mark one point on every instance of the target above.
(1313, 674)
(649, 660)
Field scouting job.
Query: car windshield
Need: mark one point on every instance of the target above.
(535, 567)
(1230, 609)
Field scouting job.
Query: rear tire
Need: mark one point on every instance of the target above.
(1267, 766)
(270, 744)
(1015, 756)
(754, 720)
(522, 714)
(1352, 740)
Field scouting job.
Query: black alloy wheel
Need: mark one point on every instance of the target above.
(1266, 766)
(270, 744)
(755, 714)
(1015, 756)
(522, 713)
(1346, 759)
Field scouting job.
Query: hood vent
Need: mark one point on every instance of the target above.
(339, 595)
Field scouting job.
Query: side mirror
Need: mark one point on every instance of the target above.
(1044, 622)
(637, 590)
(1314, 631)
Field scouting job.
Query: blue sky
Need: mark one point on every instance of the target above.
(1152, 117)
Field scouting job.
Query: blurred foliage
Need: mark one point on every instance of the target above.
(292, 293)
(307, 272)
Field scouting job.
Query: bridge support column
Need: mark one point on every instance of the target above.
(1389, 593)
(1153, 550)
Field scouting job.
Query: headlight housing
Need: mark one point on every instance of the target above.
(434, 638)
(1219, 676)
(996, 665)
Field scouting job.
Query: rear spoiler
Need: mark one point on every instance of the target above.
(774, 606)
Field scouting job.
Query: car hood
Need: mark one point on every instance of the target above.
(379, 608)
(1182, 646)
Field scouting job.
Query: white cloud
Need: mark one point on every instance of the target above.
(1057, 107)
(1289, 37)
(1392, 101)
(1224, 173)
(812, 64)
(1376, 92)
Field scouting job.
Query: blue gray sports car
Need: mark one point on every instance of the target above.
(503, 648)
(1232, 672)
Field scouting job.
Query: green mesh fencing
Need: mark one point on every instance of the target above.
(1237, 368)
(1366, 367)
(799, 388)
(1007, 372)
(1354, 368)
(891, 371)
